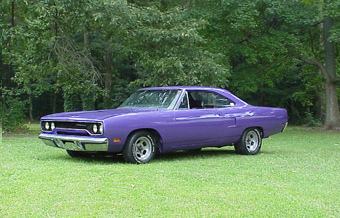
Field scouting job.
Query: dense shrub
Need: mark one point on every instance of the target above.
(310, 120)
(13, 116)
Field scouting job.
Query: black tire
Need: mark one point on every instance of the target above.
(250, 142)
(139, 148)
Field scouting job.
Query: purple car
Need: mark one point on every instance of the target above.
(165, 119)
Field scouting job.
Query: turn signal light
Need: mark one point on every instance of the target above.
(116, 140)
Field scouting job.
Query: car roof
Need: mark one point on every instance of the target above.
(201, 88)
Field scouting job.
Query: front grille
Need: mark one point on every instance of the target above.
(72, 133)
(73, 125)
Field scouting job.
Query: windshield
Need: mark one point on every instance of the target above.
(152, 99)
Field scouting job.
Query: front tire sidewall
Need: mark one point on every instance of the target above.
(242, 147)
(131, 152)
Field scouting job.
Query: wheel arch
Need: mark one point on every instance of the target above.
(259, 128)
(153, 132)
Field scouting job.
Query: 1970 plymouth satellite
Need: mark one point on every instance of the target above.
(165, 119)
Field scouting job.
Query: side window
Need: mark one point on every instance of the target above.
(196, 99)
(184, 103)
(221, 101)
(205, 99)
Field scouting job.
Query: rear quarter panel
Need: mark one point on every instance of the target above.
(271, 120)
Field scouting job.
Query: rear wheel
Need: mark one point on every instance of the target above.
(250, 142)
(139, 148)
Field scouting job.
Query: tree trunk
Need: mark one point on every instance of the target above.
(88, 95)
(30, 103)
(332, 106)
(30, 99)
(54, 102)
(319, 105)
(108, 79)
(12, 17)
(332, 118)
(328, 71)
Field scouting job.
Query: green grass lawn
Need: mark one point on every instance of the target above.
(297, 174)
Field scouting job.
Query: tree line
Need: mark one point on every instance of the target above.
(64, 55)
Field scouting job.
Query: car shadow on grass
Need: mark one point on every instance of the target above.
(203, 154)
(105, 159)
(92, 158)
(167, 157)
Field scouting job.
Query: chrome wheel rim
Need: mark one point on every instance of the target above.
(142, 148)
(252, 141)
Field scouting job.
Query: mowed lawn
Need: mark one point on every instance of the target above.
(297, 174)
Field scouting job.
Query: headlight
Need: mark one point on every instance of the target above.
(95, 128)
(101, 128)
(52, 126)
(47, 126)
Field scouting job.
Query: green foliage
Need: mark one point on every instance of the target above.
(310, 120)
(88, 100)
(72, 101)
(172, 51)
(93, 51)
(259, 37)
(13, 114)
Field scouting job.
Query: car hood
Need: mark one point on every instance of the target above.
(97, 115)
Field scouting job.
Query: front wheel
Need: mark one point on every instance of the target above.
(139, 148)
(250, 142)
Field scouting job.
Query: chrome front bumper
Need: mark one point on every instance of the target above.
(75, 143)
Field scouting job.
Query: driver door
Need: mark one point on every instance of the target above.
(199, 123)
